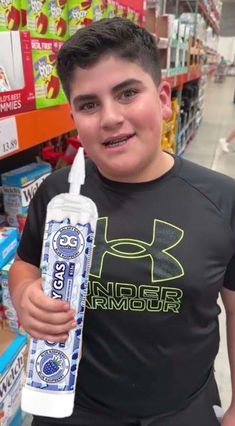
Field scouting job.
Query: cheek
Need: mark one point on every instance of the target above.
(86, 129)
(148, 116)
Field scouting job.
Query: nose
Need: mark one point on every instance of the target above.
(111, 115)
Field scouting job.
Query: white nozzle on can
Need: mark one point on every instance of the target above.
(76, 176)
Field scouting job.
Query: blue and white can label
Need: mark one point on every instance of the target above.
(65, 265)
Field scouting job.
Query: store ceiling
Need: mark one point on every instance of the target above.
(227, 23)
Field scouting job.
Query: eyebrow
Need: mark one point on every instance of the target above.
(91, 96)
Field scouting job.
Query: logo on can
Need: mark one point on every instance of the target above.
(68, 242)
(52, 366)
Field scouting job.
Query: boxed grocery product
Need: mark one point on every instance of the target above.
(80, 14)
(11, 379)
(48, 89)
(99, 8)
(111, 9)
(8, 244)
(58, 19)
(17, 92)
(10, 314)
(10, 15)
(19, 186)
(37, 12)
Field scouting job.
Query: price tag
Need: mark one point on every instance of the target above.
(8, 136)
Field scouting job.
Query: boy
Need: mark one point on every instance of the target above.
(164, 246)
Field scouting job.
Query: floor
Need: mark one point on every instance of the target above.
(218, 121)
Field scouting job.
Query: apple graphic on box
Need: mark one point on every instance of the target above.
(41, 23)
(51, 59)
(61, 3)
(13, 18)
(86, 4)
(52, 87)
(61, 27)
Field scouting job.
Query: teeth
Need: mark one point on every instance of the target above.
(116, 141)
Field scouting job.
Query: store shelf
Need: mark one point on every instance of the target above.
(35, 127)
(205, 12)
(180, 79)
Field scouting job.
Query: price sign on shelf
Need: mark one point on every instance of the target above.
(8, 136)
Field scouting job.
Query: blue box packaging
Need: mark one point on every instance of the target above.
(19, 187)
(8, 244)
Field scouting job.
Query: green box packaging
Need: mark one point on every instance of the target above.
(37, 18)
(48, 90)
(10, 15)
(111, 9)
(58, 19)
(80, 14)
(99, 9)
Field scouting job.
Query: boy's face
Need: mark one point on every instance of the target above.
(118, 112)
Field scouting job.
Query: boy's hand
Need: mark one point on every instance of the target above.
(229, 417)
(43, 317)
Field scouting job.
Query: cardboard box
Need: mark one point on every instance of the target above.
(10, 15)
(10, 314)
(19, 187)
(58, 19)
(8, 244)
(16, 58)
(11, 378)
(80, 14)
(37, 18)
(48, 89)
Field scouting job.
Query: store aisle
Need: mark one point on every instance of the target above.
(218, 121)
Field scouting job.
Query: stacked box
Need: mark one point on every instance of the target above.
(19, 186)
(8, 244)
(10, 15)
(99, 9)
(10, 314)
(58, 19)
(111, 9)
(37, 12)
(11, 382)
(48, 90)
(80, 14)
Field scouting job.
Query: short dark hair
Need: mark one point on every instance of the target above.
(114, 36)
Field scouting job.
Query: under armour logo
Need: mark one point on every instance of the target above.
(164, 266)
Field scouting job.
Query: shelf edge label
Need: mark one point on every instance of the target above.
(8, 136)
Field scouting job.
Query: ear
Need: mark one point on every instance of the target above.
(164, 90)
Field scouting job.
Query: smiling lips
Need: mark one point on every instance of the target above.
(116, 141)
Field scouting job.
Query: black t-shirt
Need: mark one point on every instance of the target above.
(163, 250)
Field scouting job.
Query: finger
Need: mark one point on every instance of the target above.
(58, 318)
(59, 338)
(49, 304)
(45, 329)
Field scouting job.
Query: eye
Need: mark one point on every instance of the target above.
(88, 106)
(128, 94)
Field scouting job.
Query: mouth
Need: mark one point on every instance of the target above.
(117, 141)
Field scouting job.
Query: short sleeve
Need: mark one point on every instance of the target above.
(229, 280)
